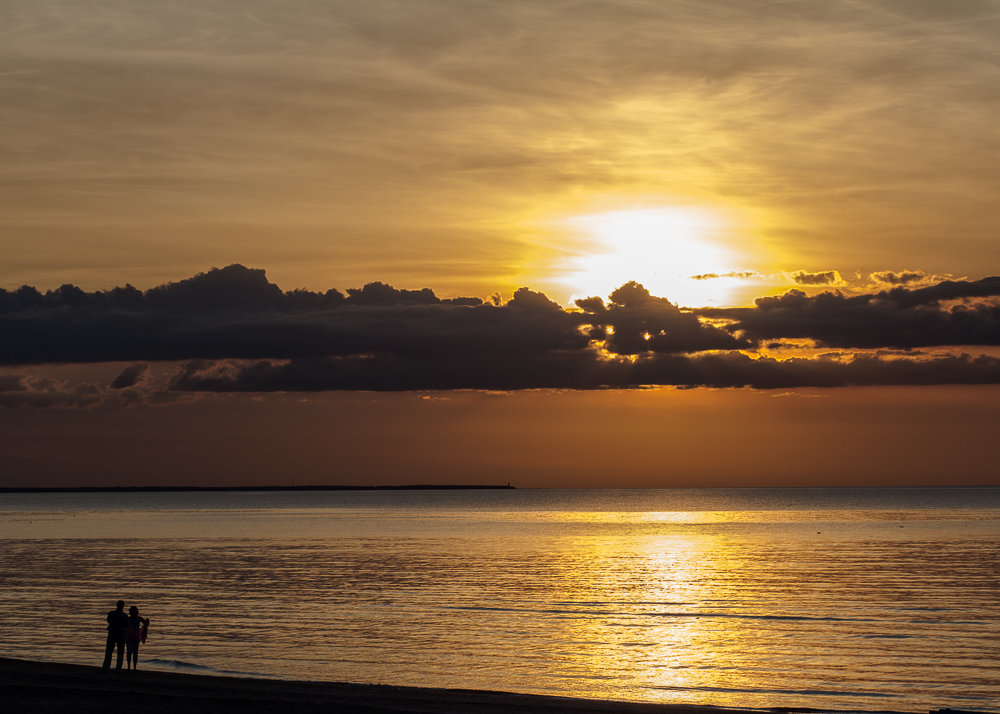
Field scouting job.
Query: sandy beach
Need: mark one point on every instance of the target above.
(51, 687)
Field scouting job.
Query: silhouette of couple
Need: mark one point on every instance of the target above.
(125, 632)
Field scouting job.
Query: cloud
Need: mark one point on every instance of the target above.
(829, 277)
(636, 322)
(904, 277)
(130, 376)
(235, 312)
(898, 317)
(736, 369)
(236, 331)
(66, 387)
(579, 371)
(745, 275)
(231, 288)
(13, 383)
(34, 391)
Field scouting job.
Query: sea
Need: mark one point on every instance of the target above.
(832, 599)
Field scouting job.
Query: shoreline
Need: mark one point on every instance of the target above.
(202, 489)
(45, 687)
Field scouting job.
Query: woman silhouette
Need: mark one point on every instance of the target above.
(135, 632)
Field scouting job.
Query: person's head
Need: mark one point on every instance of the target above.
(133, 611)
(120, 604)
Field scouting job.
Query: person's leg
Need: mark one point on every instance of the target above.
(108, 649)
(121, 653)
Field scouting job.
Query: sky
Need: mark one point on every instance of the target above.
(570, 243)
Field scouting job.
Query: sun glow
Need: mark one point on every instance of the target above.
(662, 248)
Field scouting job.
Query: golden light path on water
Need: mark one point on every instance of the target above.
(656, 639)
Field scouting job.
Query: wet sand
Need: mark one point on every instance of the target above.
(50, 687)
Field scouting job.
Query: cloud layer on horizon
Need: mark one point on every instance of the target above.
(233, 330)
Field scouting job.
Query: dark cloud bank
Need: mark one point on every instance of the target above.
(235, 331)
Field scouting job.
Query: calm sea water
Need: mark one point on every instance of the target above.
(882, 599)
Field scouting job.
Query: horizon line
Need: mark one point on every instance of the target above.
(153, 489)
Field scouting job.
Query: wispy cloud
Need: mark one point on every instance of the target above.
(156, 137)
(906, 278)
(742, 275)
(30, 390)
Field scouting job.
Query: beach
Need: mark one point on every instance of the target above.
(41, 687)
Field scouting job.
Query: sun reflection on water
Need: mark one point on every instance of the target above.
(636, 604)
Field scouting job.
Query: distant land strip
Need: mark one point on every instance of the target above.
(155, 489)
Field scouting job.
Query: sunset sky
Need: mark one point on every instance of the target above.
(629, 243)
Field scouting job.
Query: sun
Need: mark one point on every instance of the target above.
(662, 248)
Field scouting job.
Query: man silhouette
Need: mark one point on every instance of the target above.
(117, 621)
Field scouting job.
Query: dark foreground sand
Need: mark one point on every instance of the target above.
(47, 687)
